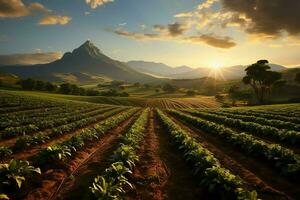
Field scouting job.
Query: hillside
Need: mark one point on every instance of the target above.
(226, 73)
(185, 72)
(158, 69)
(84, 64)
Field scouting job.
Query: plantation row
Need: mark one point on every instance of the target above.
(265, 114)
(11, 120)
(112, 183)
(285, 160)
(280, 124)
(15, 173)
(26, 141)
(211, 174)
(51, 122)
(280, 135)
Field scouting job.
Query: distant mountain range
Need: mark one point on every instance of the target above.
(157, 69)
(88, 64)
(84, 64)
(185, 72)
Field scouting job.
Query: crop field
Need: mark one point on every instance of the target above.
(53, 148)
(158, 102)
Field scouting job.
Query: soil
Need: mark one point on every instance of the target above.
(34, 150)
(73, 182)
(257, 173)
(162, 173)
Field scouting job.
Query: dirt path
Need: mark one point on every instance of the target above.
(268, 183)
(150, 174)
(162, 172)
(73, 183)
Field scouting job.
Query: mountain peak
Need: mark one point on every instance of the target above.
(88, 48)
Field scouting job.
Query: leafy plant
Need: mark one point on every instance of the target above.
(14, 172)
(5, 151)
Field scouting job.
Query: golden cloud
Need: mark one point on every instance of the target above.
(16, 8)
(95, 3)
(54, 19)
(212, 40)
(29, 59)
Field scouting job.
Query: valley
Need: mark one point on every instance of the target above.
(161, 151)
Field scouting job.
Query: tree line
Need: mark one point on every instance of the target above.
(64, 88)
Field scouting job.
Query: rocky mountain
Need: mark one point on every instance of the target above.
(86, 63)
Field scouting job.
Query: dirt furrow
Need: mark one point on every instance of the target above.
(73, 181)
(150, 174)
(29, 153)
(162, 172)
(268, 183)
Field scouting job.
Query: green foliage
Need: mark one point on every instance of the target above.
(261, 79)
(284, 159)
(213, 177)
(53, 155)
(15, 172)
(169, 88)
(191, 93)
(112, 183)
(297, 78)
(5, 151)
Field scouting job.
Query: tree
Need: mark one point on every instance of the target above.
(261, 79)
(50, 87)
(168, 88)
(40, 85)
(191, 93)
(219, 98)
(297, 78)
(65, 88)
(27, 84)
(233, 93)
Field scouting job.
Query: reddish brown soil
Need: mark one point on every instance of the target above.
(260, 176)
(264, 138)
(162, 172)
(34, 150)
(150, 174)
(58, 183)
(11, 141)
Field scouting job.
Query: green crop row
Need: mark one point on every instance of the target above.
(48, 123)
(213, 177)
(45, 115)
(260, 120)
(112, 182)
(286, 136)
(283, 159)
(266, 114)
(55, 154)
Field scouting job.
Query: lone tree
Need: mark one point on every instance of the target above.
(297, 78)
(261, 79)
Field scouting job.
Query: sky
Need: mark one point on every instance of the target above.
(196, 33)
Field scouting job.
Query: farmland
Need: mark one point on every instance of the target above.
(54, 147)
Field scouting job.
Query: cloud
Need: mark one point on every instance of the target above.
(95, 3)
(29, 59)
(16, 8)
(212, 40)
(54, 19)
(171, 30)
(123, 24)
(208, 39)
(138, 35)
(268, 17)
